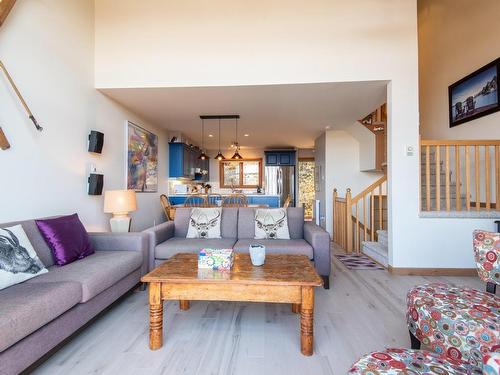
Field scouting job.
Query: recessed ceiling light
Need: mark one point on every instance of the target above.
(210, 135)
(247, 135)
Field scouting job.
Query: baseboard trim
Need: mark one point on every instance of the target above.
(433, 271)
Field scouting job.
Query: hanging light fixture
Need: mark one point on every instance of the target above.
(219, 155)
(202, 156)
(237, 155)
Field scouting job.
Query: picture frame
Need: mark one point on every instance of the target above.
(475, 95)
(142, 159)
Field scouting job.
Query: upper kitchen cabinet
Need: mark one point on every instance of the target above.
(280, 158)
(184, 163)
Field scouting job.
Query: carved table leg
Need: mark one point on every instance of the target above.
(306, 321)
(155, 316)
(296, 308)
(184, 304)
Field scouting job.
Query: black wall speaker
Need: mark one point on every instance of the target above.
(96, 182)
(96, 141)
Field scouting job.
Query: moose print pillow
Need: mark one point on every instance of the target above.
(204, 223)
(271, 224)
(18, 259)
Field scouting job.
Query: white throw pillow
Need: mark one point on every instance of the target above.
(271, 224)
(18, 259)
(205, 223)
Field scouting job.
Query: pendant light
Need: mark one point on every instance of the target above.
(219, 155)
(237, 155)
(202, 156)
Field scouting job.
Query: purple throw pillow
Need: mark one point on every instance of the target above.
(66, 237)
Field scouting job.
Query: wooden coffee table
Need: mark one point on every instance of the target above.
(282, 279)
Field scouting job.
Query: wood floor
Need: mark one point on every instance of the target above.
(363, 311)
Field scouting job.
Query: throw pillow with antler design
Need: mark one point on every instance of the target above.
(204, 223)
(271, 224)
(18, 259)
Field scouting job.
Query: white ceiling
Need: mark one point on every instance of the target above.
(273, 115)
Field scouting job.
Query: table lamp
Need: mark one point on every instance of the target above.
(120, 203)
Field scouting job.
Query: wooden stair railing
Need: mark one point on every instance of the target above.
(356, 219)
(459, 175)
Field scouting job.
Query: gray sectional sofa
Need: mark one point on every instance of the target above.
(237, 232)
(40, 313)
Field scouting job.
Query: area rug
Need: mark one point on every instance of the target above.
(358, 262)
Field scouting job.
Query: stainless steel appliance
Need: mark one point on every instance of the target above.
(280, 180)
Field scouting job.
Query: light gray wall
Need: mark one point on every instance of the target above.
(48, 46)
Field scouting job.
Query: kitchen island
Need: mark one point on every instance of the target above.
(272, 201)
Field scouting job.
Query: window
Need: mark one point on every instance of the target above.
(307, 185)
(240, 173)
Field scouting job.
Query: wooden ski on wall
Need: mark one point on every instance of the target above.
(5, 7)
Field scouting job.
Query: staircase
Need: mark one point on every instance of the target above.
(445, 180)
(378, 250)
(362, 219)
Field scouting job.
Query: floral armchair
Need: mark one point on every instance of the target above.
(459, 327)
(486, 255)
(462, 323)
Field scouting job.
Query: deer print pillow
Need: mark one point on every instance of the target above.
(204, 223)
(271, 224)
(18, 259)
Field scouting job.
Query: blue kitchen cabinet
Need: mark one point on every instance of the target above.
(277, 158)
(271, 159)
(183, 162)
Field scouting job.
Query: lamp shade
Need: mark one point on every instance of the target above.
(120, 201)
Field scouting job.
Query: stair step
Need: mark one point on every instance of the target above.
(382, 238)
(376, 251)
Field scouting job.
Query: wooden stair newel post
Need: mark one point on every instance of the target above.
(348, 200)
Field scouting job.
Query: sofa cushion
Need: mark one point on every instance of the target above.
(66, 237)
(205, 223)
(18, 259)
(95, 273)
(296, 222)
(297, 247)
(228, 227)
(26, 307)
(246, 222)
(190, 245)
(36, 239)
(271, 223)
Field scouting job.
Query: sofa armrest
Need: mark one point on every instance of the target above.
(158, 234)
(104, 241)
(319, 239)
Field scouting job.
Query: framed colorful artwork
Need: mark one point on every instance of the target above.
(142, 159)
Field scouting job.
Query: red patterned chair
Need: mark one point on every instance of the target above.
(461, 323)
(408, 361)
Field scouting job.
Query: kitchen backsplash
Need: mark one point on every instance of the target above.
(187, 187)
